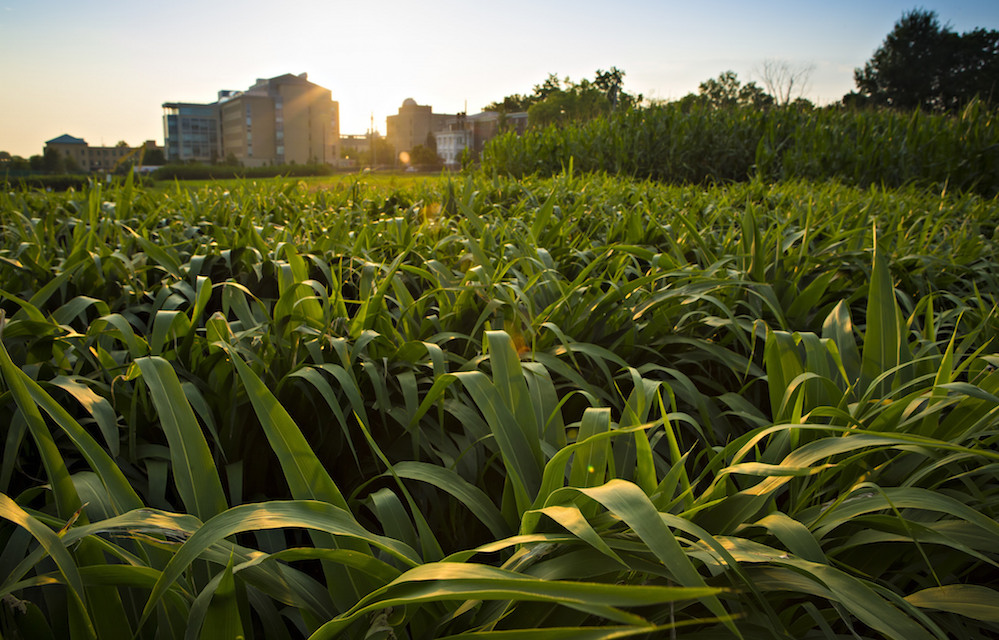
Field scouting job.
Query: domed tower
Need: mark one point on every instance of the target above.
(413, 125)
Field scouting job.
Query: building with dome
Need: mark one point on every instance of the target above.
(414, 125)
(449, 134)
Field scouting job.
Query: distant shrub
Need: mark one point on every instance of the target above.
(52, 182)
(222, 172)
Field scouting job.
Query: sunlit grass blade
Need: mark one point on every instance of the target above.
(466, 493)
(318, 516)
(80, 623)
(192, 465)
(459, 582)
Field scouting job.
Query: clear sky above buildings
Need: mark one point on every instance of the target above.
(101, 69)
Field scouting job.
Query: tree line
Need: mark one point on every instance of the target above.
(921, 64)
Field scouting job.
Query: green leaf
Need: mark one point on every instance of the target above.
(589, 464)
(969, 600)
(306, 476)
(222, 619)
(305, 514)
(67, 500)
(465, 492)
(518, 455)
(628, 502)
(882, 339)
(9, 510)
(436, 582)
(97, 406)
(192, 464)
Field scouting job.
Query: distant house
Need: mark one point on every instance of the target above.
(88, 158)
(286, 119)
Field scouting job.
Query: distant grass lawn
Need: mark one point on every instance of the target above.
(378, 182)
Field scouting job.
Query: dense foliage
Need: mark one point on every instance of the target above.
(558, 101)
(699, 143)
(51, 182)
(922, 64)
(726, 92)
(578, 407)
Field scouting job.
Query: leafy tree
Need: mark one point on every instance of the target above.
(923, 64)
(511, 104)
(727, 91)
(561, 100)
(610, 82)
(10, 162)
(382, 154)
(579, 102)
(424, 156)
(70, 165)
(19, 163)
(52, 161)
(549, 87)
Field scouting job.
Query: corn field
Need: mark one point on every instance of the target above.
(708, 145)
(568, 407)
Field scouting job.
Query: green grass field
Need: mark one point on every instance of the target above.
(431, 407)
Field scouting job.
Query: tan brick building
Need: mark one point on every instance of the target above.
(87, 158)
(414, 125)
(281, 120)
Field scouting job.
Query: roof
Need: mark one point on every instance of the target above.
(66, 139)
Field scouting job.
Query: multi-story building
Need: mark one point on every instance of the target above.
(279, 120)
(414, 125)
(77, 152)
(191, 132)
(451, 134)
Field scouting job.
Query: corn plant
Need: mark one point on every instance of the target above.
(580, 407)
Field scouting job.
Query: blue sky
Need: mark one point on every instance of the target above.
(100, 70)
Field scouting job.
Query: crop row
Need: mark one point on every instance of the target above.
(700, 144)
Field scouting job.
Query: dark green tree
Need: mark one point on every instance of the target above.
(382, 154)
(511, 104)
(561, 100)
(424, 156)
(923, 64)
(727, 91)
(52, 161)
(10, 162)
